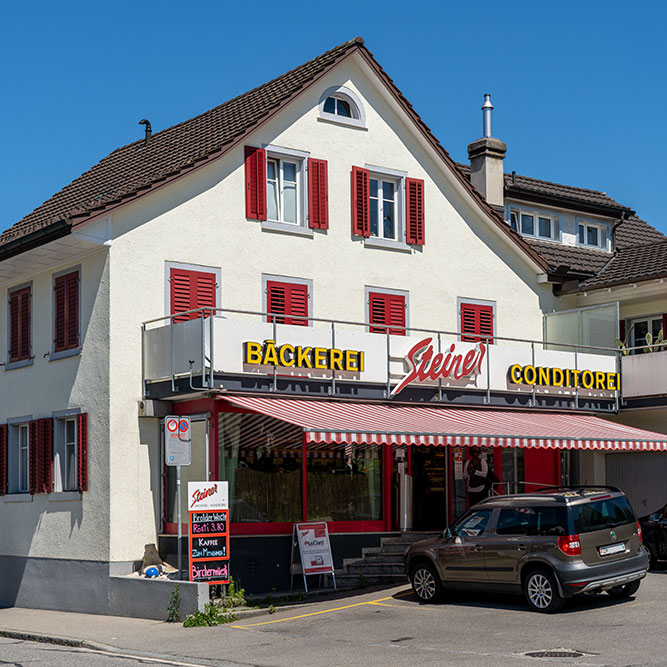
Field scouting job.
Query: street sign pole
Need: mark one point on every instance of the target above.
(180, 525)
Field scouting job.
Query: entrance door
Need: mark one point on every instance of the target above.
(429, 466)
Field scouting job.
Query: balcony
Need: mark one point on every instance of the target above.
(241, 351)
(644, 374)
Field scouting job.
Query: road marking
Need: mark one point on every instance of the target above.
(379, 601)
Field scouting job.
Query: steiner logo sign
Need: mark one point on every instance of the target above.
(432, 365)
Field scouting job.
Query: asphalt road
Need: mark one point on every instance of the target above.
(390, 627)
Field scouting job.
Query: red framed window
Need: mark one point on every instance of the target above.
(190, 290)
(66, 311)
(287, 302)
(387, 313)
(477, 322)
(19, 324)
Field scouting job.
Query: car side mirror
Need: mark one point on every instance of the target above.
(447, 533)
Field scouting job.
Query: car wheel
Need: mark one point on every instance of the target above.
(624, 591)
(426, 582)
(541, 592)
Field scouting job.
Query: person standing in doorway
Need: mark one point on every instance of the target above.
(475, 473)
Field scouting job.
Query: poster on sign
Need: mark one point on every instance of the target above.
(314, 549)
(208, 532)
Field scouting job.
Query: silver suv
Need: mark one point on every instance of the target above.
(552, 544)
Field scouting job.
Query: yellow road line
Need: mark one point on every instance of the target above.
(379, 601)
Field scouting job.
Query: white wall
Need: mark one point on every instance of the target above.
(48, 528)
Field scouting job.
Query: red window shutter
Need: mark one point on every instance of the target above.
(19, 325)
(361, 217)
(66, 316)
(621, 329)
(3, 459)
(33, 456)
(255, 183)
(45, 455)
(318, 194)
(386, 313)
(476, 323)
(414, 211)
(664, 326)
(287, 299)
(82, 452)
(190, 290)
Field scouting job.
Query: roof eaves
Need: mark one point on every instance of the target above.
(573, 203)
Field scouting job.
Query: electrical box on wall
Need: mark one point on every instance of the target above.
(150, 408)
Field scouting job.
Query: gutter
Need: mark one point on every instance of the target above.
(55, 230)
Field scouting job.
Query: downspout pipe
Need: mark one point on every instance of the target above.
(613, 232)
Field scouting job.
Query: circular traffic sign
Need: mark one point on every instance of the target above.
(172, 425)
(183, 425)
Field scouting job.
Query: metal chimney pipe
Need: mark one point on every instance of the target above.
(487, 108)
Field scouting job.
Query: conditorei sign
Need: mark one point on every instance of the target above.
(302, 356)
(564, 377)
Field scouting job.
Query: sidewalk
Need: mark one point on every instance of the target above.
(145, 637)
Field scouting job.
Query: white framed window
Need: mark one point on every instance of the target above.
(282, 190)
(286, 190)
(23, 459)
(341, 105)
(592, 234)
(384, 207)
(64, 455)
(534, 223)
(642, 326)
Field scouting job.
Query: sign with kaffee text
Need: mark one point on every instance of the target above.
(208, 532)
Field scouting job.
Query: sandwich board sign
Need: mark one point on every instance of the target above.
(208, 532)
(314, 549)
(177, 440)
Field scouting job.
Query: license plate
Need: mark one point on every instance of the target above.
(612, 549)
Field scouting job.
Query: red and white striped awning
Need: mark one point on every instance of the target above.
(368, 423)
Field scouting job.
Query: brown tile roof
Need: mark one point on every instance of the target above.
(630, 265)
(132, 170)
(580, 260)
(135, 168)
(635, 231)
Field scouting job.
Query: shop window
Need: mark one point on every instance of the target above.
(344, 482)
(387, 312)
(260, 457)
(477, 321)
(513, 470)
(19, 326)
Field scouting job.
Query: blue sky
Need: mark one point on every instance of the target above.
(579, 87)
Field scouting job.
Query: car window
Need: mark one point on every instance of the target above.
(473, 524)
(515, 521)
(549, 521)
(602, 514)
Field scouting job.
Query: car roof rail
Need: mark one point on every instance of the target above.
(579, 487)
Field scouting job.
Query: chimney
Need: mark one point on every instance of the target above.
(486, 161)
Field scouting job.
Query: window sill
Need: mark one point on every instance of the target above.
(59, 496)
(12, 365)
(17, 498)
(341, 120)
(64, 354)
(372, 242)
(286, 228)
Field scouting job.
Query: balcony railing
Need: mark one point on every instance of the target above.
(212, 344)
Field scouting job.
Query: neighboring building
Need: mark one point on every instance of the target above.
(340, 248)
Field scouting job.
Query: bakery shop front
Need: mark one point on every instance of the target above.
(370, 432)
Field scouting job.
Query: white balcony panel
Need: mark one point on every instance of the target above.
(644, 374)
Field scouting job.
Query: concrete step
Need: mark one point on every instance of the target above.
(356, 581)
(374, 569)
(386, 559)
(409, 538)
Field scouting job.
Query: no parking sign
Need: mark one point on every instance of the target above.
(177, 438)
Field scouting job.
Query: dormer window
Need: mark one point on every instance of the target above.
(342, 106)
(536, 224)
(592, 234)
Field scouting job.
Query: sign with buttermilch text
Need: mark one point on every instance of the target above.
(208, 532)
